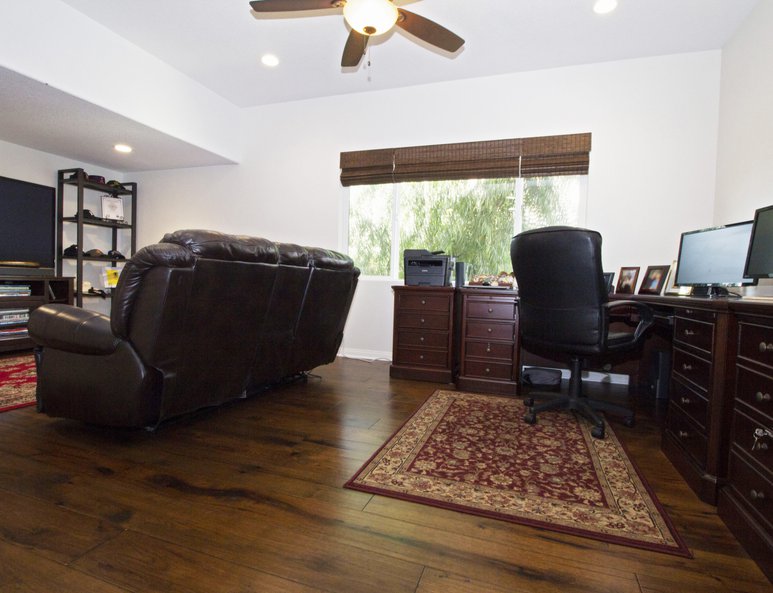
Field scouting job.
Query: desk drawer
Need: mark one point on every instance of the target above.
(696, 370)
(417, 356)
(488, 369)
(489, 309)
(754, 488)
(425, 339)
(755, 389)
(758, 446)
(755, 342)
(690, 402)
(489, 350)
(698, 334)
(426, 302)
(687, 435)
(410, 319)
(491, 331)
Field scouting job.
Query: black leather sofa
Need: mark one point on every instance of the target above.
(197, 319)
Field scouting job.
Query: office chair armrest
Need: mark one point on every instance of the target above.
(645, 313)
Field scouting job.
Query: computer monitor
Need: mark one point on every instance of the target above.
(712, 259)
(759, 262)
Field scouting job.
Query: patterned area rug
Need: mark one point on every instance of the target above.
(473, 453)
(17, 382)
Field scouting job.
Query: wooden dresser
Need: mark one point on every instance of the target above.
(746, 501)
(422, 342)
(488, 340)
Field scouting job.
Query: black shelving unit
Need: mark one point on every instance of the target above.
(78, 179)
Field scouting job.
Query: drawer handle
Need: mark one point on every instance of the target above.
(689, 332)
(488, 347)
(490, 310)
(756, 494)
(423, 302)
(422, 320)
(683, 434)
(421, 357)
(421, 339)
(762, 397)
(686, 367)
(489, 330)
(766, 347)
(685, 400)
(488, 370)
(759, 435)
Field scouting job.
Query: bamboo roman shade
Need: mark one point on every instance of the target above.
(517, 157)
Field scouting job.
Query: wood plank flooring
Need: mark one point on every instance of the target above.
(248, 497)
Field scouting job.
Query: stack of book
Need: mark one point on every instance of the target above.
(15, 290)
(13, 323)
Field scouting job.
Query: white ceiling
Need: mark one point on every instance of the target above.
(218, 43)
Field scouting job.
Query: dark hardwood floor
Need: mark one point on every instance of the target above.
(249, 497)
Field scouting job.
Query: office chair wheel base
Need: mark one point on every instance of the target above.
(629, 421)
(528, 402)
(530, 417)
(597, 432)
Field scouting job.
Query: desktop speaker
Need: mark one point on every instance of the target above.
(459, 274)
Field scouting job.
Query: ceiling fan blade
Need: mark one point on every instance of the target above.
(354, 49)
(293, 5)
(429, 31)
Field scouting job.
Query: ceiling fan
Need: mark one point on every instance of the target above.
(369, 18)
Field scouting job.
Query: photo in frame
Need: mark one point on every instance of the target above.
(609, 279)
(112, 208)
(626, 282)
(654, 280)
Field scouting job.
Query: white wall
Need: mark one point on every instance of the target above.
(745, 154)
(654, 126)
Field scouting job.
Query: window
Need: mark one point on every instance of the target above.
(467, 199)
(472, 219)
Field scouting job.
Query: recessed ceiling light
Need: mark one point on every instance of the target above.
(604, 6)
(270, 60)
(122, 148)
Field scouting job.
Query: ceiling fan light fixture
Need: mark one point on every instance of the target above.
(370, 17)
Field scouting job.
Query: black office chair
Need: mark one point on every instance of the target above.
(563, 307)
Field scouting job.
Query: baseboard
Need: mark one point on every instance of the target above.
(365, 354)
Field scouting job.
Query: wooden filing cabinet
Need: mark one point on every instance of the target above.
(488, 340)
(695, 438)
(422, 342)
(746, 502)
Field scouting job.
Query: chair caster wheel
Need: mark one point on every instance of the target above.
(629, 421)
(597, 432)
(530, 417)
(528, 402)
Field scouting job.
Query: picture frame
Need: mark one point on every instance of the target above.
(670, 287)
(626, 282)
(654, 280)
(609, 279)
(112, 208)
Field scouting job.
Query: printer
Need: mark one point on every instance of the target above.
(427, 268)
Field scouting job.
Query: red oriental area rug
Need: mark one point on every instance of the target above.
(17, 382)
(473, 453)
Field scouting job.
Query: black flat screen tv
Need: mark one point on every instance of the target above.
(27, 228)
(759, 262)
(712, 259)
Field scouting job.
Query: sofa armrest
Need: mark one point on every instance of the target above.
(72, 329)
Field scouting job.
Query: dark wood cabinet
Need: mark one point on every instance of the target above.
(746, 502)
(696, 429)
(112, 229)
(422, 341)
(19, 296)
(487, 321)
